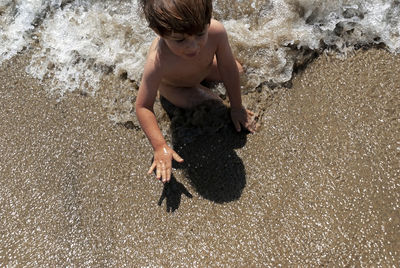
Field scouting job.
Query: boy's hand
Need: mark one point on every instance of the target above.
(163, 162)
(242, 116)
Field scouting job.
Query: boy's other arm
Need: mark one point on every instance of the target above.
(227, 67)
(230, 77)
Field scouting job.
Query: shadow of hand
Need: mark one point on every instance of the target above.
(172, 192)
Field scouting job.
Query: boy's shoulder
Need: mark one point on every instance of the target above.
(154, 50)
(216, 27)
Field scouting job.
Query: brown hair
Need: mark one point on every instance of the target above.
(177, 16)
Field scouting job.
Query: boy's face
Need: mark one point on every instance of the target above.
(185, 45)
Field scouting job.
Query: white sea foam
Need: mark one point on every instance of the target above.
(261, 41)
(17, 21)
(79, 41)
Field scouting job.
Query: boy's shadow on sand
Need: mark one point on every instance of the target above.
(205, 138)
(213, 167)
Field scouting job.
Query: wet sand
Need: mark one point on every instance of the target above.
(317, 185)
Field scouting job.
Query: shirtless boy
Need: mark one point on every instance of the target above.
(190, 47)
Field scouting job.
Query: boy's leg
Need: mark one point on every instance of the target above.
(188, 97)
(191, 97)
(214, 73)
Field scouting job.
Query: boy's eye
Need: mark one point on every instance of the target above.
(179, 40)
(201, 34)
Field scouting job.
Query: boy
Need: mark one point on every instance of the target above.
(190, 47)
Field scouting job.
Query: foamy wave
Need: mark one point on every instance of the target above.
(262, 41)
(17, 21)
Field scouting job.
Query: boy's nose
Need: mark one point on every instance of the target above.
(192, 44)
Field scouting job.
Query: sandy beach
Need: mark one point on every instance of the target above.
(317, 185)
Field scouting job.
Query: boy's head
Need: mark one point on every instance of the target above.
(166, 17)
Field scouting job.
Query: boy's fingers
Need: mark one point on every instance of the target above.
(177, 158)
(152, 167)
(163, 172)
(168, 174)
(249, 128)
(158, 171)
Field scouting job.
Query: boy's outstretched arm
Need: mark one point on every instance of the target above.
(163, 154)
(230, 76)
